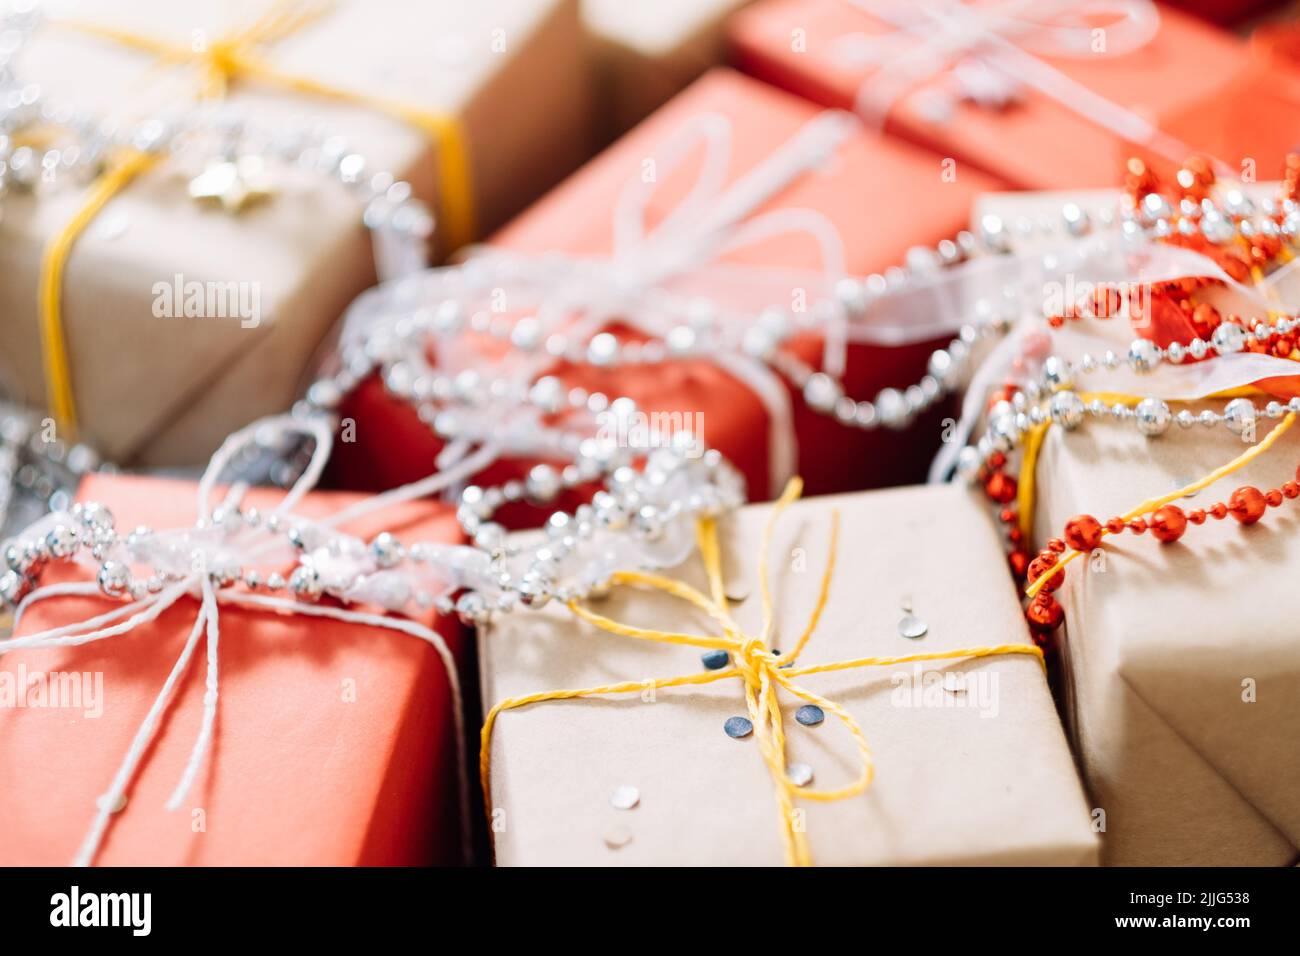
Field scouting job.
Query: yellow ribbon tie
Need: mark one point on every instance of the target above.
(755, 665)
(223, 61)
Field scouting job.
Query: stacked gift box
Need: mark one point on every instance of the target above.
(802, 234)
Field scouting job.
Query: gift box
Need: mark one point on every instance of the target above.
(510, 80)
(1278, 41)
(1227, 12)
(998, 119)
(970, 764)
(334, 743)
(1180, 660)
(1177, 662)
(869, 181)
(1251, 123)
(646, 53)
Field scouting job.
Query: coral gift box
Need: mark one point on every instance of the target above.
(334, 742)
(933, 91)
(880, 196)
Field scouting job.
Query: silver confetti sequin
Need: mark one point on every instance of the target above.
(911, 626)
(738, 727)
(799, 774)
(810, 715)
(625, 797)
(716, 659)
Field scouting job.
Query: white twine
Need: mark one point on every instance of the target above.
(198, 583)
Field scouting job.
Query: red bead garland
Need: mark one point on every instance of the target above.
(1167, 524)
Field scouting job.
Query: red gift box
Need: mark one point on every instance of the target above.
(1251, 122)
(334, 742)
(1226, 12)
(882, 196)
(828, 51)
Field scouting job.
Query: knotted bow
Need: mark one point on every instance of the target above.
(998, 44)
(762, 671)
(656, 274)
(201, 558)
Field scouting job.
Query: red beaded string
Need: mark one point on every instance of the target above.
(1167, 524)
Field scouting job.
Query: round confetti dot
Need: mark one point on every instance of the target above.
(715, 660)
(799, 774)
(738, 727)
(810, 715)
(912, 627)
(625, 798)
(617, 836)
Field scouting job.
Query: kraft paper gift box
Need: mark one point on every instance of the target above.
(1032, 142)
(1182, 666)
(645, 53)
(950, 786)
(164, 392)
(334, 741)
(882, 197)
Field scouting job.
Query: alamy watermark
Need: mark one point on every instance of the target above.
(53, 690)
(192, 299)
(645, 431)
(925, 689)
(1103, 300)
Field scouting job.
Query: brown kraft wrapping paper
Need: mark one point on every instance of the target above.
(165, 391)
(1182, 663)
(951, 786)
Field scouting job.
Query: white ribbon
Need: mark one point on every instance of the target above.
(1106, 260)
(202, 549)
(655, 274)
(996, 45)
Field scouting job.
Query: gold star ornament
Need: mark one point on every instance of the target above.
(232, 184)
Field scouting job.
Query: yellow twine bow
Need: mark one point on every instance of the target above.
(222, 61)
(760, 669)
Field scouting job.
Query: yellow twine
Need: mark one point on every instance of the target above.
(58, 374)
(1154, 504)
(761, 670)
(1026, 488)
(223, 61)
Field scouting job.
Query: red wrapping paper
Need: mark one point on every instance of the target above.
(1034, 143)
(881, 195)
(1226, 12)
(297, 775)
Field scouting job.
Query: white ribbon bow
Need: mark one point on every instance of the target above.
(994, 47)
(657, 274)
(199, 553)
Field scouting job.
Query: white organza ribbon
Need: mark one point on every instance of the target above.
(199, 550)
(997, 45)
(656, 273)
(1108, 260)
